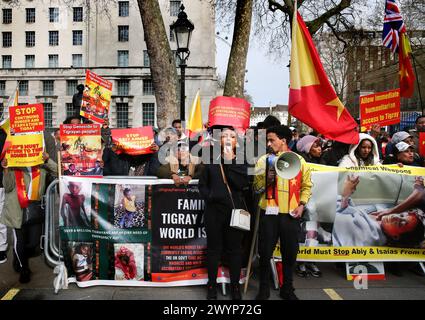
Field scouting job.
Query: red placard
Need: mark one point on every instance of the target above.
(27, 118)
(96, 97)
(381, 107)
(134, 141)
(229, 111)
(421, 147)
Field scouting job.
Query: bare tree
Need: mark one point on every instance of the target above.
(163, 67)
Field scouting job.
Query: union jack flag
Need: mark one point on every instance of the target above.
(393, 26)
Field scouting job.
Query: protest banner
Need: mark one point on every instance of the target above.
(96, 98)
(27, 118)
(340, 228)
(229, 111)
(134, 141)
(81, 149)
(381, 107)
(25, 150)
(134, 232)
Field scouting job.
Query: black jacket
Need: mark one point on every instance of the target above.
(213, 189)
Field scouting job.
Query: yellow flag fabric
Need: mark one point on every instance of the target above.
(195, 123)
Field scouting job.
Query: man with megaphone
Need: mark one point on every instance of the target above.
(283, 178)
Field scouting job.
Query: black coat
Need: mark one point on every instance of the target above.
(213, 189)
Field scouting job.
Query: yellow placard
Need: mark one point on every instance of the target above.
(25, 151)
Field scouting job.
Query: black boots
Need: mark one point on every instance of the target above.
(211, 291)
(263, 293)
(235, 292)
(287, 293)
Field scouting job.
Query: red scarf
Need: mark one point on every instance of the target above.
(23, 197)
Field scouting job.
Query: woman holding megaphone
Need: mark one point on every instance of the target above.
(285, 192)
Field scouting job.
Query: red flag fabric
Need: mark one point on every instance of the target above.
(406, 74)
(312, 99)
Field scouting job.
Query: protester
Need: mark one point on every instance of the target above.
(419, 127)
(310, 148)
(279, 218)
(404, 154)
(396, 138)
(15, 181)
(3, 228)
(177, 125)
(334, 153)
(218, 208)
(182, 167)
(364, 153)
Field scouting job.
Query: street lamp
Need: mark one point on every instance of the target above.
(183, 30)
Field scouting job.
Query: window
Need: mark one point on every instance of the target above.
(30, 38)
(148, 112)
(146, 61)
(23, 87)
(71, 87)
(48, 115)
(29, 61)
(53, 38)
(48, 87)
(123, 8)
(122, 33)
(172, 35)
(53, 14)
(30, 15)
(6, 62)
(122, 58)
(7, 16)
(53, 61)
(77, 37)
(7, 39)
(122, 115)
(175, 8)
(123, 87)
(78, 14)
(77, 60)
(148, 87)
(2, 87)
(69, 110)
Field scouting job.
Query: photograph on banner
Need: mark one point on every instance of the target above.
(27, 118)
(25, 150)
(82, 257)
(368, 270)
(129, 261)
(133, 141)
(75, 203)
(178, 234)
(96, 98)
(229, 111)
(81, 150)
(381, 108)
(356, 218)
(129, 208)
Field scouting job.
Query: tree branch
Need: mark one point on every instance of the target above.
(317, 23)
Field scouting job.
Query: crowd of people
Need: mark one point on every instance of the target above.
(224, 183)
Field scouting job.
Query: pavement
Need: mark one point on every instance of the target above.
(331, 286)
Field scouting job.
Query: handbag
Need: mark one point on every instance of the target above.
(33, 214)
(240, 219)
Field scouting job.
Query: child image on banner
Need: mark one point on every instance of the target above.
(129, 261)
(357, 222)
(81, 155)
(75, 204)
(81, 254)
(129, 206)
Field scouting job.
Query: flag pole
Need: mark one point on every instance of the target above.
(417, 82)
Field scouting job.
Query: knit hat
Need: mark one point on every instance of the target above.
(400, 136)
(305, 143)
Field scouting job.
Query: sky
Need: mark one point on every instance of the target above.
(267, 80)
